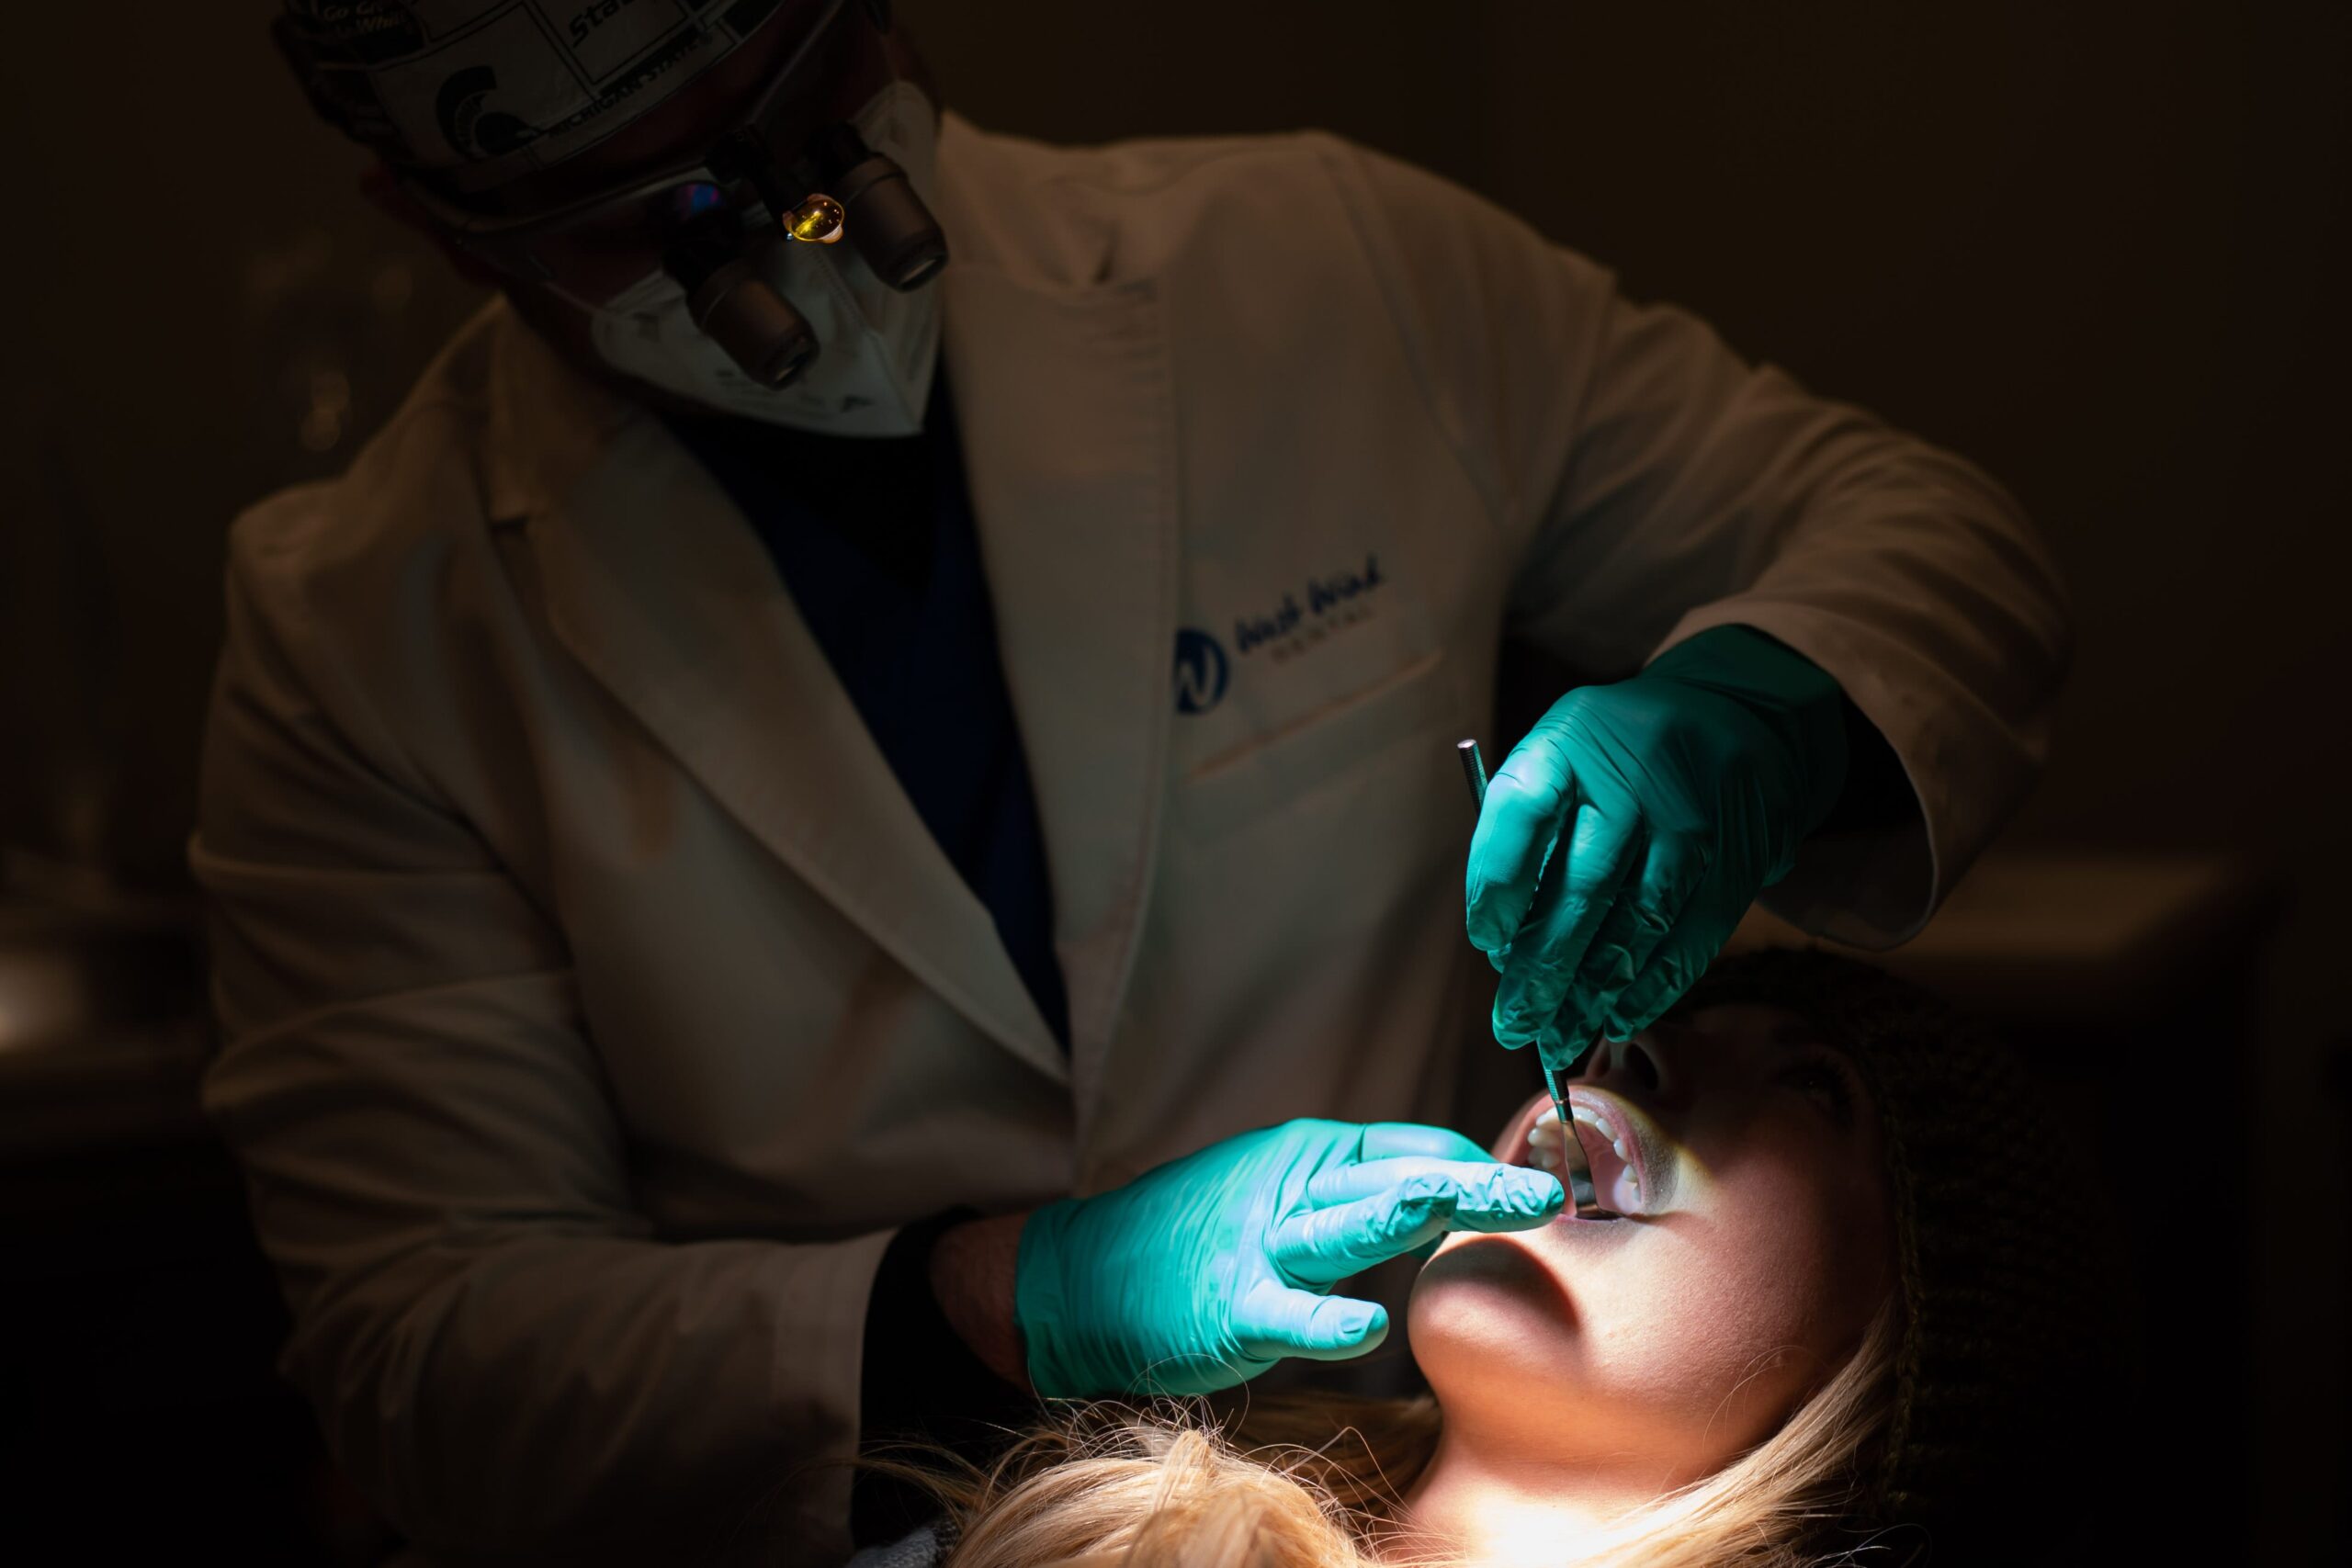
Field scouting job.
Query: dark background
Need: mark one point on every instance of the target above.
(2099, 246)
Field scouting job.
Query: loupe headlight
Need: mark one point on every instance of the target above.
(864, 195)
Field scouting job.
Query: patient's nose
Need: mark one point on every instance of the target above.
(1636, 1068)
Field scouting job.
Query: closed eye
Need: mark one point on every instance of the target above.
(1825, 1078)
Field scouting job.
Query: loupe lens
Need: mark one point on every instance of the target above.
(894, 232)
(736, 308)
(891, 228)
(768, 339)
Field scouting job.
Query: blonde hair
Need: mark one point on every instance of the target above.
(1316, 1483)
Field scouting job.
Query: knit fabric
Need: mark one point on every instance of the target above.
(2011, 1345)
(918, 1549)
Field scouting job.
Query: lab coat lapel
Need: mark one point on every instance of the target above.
(1069, 443)
(657, 583)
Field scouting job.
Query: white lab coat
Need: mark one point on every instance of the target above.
(597, 1005)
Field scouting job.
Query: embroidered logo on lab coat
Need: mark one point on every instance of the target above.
(1322, 607)
(1201, 670)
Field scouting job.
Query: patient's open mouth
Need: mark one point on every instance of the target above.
(1617, 1145)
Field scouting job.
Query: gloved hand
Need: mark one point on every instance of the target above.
(1673, 799)
(1203, 1272)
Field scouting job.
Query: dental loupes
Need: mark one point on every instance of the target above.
(1575, 1168)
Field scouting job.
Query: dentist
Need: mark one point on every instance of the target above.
(855, 797)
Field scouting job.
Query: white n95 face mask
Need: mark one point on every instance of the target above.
(876, 347)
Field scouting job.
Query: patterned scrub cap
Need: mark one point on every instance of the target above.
(479, 92)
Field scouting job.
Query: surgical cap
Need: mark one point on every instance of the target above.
(479, 92)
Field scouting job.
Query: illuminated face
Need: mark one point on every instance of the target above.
(1756, 1249)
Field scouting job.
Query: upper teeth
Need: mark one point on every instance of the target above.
(1600, 1124)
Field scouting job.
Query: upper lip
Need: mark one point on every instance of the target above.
(1646, 1153)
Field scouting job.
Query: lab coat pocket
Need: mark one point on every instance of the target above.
(1316, 757)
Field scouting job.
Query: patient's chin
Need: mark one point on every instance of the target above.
(1487, 1302)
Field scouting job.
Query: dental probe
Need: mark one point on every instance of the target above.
(1572, 1159)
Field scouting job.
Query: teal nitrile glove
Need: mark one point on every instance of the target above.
(1672, 799)
(1203, 1272)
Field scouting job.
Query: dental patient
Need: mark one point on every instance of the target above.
(1846, 1308)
